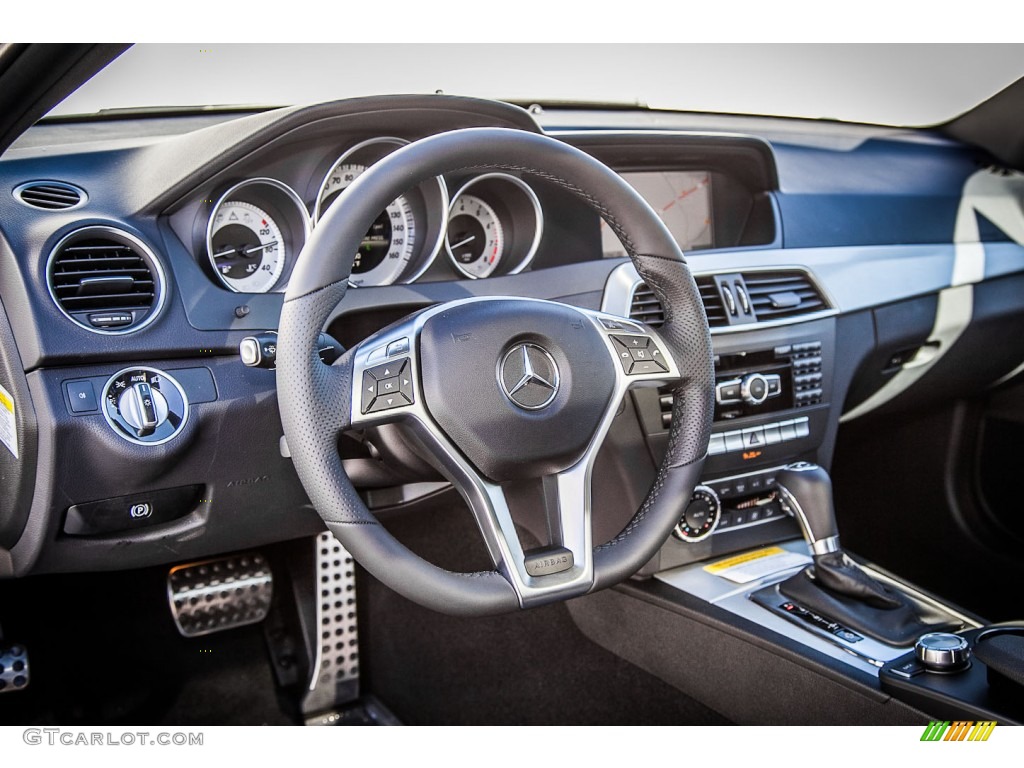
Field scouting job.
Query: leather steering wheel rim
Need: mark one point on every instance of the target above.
(315, 398)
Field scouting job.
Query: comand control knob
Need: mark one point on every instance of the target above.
(701, 516)
(144, 405)
(943, 652)
(754, 389)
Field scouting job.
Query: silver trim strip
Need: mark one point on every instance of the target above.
(289, 193)
(538, 224)
(624, 280)
(159, 280)
(82, 194)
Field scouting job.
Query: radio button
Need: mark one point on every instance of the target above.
(788, 430)
(728, 392)
(717, 445)
(733, 441)
(803, 429)
(772, 435)
(774, 384)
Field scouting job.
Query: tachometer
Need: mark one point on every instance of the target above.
(475, 240)
(494, 226)
(247, 247)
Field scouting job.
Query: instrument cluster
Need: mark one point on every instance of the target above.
(492, 225)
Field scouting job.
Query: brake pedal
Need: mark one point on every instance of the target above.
(215, 595)
(13, 668)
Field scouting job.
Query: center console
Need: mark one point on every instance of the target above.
(756, 552)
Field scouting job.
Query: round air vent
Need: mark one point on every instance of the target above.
(50, 195)
(105, 280)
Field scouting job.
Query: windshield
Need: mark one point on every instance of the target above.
(900, 85)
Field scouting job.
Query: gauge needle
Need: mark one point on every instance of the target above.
(461, 243)
(257, 248)
(228, 252)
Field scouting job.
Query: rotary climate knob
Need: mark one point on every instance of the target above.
(701, 516)
(943, 652)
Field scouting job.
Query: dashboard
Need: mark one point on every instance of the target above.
(838, 274)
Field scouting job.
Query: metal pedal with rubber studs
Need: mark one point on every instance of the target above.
(215, 595)
(13, 668)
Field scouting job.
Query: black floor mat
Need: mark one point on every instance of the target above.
(103, 650)
(533, 667)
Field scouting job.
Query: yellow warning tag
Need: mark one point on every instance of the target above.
(754, 565)
(8, 423)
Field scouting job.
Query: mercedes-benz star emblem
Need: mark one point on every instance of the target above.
(528, 376)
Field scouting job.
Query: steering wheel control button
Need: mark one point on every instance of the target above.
(528, 376)
(387, 386)
(639, 355)
(544, 562)
(144, 405)
(400, 347)
(701, 516)
(943, 652)
(81, 396)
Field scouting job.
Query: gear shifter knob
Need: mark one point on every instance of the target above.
(807, 490)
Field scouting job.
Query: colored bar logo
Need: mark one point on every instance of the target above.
(958, 730)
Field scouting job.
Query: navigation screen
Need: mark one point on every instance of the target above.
(683, 201)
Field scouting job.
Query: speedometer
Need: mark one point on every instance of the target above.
(404, 239)
(388, 246)
(247, 247)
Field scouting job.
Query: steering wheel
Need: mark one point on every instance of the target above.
(498, 391)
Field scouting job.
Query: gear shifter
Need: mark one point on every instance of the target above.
(807, 490)
(834, 585)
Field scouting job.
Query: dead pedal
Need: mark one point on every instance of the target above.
(13, 668)
(224, 593)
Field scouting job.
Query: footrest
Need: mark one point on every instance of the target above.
(215, 595)
(13, 668)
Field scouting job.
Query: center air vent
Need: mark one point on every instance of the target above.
(780, 294)
(773, 295)
(105, 280)
(50, 195)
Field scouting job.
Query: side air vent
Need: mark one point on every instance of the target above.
(50, 195)
(105, 280)
(777, 295)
